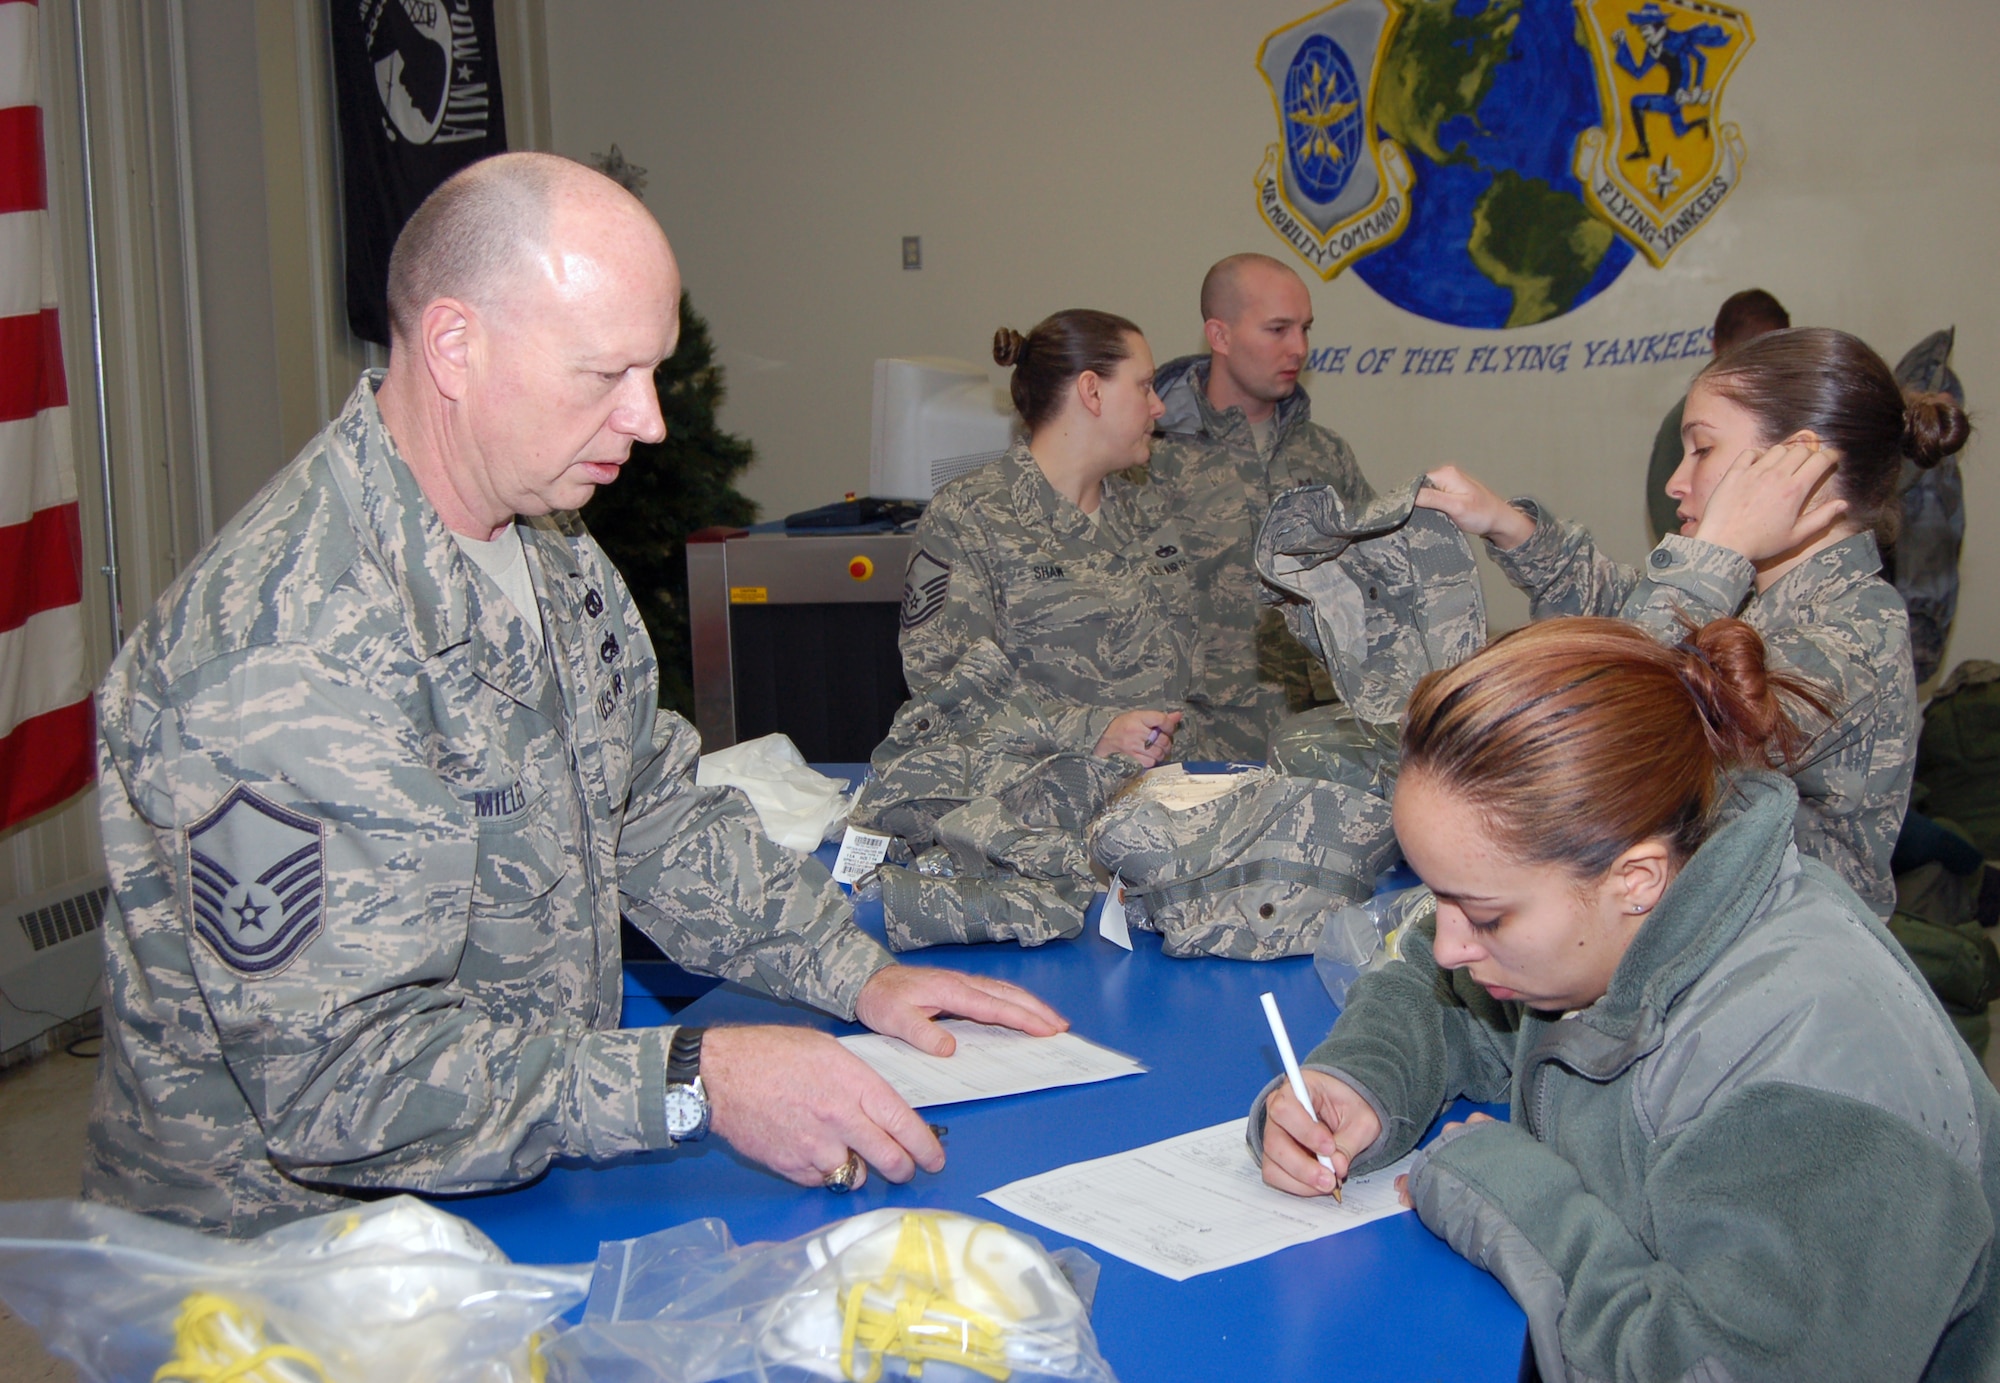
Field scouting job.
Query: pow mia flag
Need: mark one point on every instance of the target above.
(418, 86)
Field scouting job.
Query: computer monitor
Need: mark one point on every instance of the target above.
(935, 419)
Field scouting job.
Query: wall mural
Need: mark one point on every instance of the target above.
(1495, 163)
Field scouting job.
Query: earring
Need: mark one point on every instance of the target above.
(1638, 907)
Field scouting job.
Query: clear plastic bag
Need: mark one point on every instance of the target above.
(388, 1291)
(892, 1294)
(1365, 936)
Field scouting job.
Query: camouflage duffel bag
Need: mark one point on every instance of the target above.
(1246, 866)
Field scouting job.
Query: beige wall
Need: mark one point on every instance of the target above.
(1054, 153)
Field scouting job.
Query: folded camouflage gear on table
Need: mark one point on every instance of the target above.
(1383, 594)
(1006, 867)
(1251, 874)
(987, 807)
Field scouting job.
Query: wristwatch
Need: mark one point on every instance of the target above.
(687, 1101)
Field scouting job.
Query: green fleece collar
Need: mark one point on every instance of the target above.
(1702, 912)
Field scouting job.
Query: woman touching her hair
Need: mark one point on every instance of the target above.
(1745, 1141)
(1075, 572)
(1794, 443)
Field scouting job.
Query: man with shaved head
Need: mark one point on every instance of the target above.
(1238, 430)
(384, 767)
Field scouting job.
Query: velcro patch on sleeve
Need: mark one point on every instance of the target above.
(257, 882)
(924, 589)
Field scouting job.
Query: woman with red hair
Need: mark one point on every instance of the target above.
(1745, 1141)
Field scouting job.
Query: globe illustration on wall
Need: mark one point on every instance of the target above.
(1323, 130)
(1487, 98)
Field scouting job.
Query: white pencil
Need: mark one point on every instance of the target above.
(1294, 1075)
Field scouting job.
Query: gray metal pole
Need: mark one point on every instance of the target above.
(110, 568)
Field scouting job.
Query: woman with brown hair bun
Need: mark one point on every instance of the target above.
(1074, 571)
(1744, 1141)
(1794, 442)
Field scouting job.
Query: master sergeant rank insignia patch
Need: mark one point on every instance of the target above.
(924, 588)
(257, 876)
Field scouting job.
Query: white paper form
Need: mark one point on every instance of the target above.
(989, 1061)
(1191, 1204)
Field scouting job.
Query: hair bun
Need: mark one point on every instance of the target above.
(1007, 344)
(1934, 426)
(1723, 666)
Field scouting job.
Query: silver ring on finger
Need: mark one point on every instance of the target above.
(846, 1176)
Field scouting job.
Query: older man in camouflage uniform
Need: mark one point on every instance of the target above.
(1238, 431)
(382, 770)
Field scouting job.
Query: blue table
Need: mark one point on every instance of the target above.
(1387, 1301)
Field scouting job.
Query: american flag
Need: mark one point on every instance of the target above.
(46, 728)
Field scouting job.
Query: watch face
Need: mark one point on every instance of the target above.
(687, 1112)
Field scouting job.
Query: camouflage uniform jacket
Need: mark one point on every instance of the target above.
(1095, 617)
(1832, 619)
(1219, 487)
(369, 846)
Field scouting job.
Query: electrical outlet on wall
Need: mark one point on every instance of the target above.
(913, 252)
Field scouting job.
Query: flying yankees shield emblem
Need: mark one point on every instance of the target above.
(1332, 186)
(1661, 161)
(257, 882)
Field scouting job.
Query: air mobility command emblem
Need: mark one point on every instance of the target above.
(1332, 186)
(1661, 161)
(257, 876)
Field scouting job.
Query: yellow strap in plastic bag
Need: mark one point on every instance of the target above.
(921, 1320)
(218, 1341)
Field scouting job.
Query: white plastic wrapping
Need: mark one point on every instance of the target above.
(798, 807)
(877, 1296)
(390, 1291)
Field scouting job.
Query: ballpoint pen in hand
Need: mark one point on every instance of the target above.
(1295, 1076)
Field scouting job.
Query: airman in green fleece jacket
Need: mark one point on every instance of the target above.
(1758, 1151)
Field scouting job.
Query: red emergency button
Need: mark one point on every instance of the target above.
(860, 568)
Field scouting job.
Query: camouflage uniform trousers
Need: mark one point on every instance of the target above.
(1386, 593)
(369, 842)
(1219, 486)
(988, 808)
(1832, 619)
(1252, 875)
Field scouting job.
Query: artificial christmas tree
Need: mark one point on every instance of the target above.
(668, 490)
